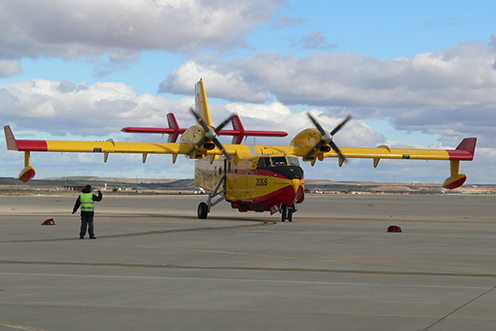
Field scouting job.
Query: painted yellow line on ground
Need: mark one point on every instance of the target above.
(241, 268)
(19, 327)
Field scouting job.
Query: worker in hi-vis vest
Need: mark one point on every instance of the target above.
(87, 202)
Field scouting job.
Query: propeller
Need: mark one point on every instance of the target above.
(210, 134)
(326, 138)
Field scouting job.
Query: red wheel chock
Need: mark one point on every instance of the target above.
(49, 221)
(393, 228)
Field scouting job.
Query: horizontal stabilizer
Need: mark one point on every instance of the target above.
(238, 132)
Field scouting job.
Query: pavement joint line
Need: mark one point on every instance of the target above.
(240, 268)
(19, 327)
(249, 280)
(457, 309)
(148, 233)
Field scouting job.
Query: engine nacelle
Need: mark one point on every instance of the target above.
(209, 146)
(307, 138)
(325, 149)
(193, 135)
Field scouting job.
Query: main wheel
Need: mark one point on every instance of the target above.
(283, 213)
(202, 210)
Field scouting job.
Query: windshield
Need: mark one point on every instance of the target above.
(279, 160)
(275, 161)
(293, 161)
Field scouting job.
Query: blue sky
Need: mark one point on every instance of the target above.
(413, 74)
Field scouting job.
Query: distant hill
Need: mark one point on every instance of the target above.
(311, 186)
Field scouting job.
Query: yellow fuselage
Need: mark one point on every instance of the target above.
(257, 183)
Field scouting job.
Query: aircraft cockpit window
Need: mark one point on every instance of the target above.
(279, 160)
(263, 162)
(275, 161)
(293, 161)
(260, 163)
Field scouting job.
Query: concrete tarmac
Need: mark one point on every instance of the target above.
(156, 266)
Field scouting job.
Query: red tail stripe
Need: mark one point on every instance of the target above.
(460, 155)
(464, 151)
(32, 145)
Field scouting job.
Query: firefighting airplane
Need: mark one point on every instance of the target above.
(249, 177)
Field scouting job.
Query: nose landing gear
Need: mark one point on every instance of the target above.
(217, 196)
(287, 212)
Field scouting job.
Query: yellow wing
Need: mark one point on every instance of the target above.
(311, 145)
(464, 152)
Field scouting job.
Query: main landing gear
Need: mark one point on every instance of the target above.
(287, 212)
(214, 198)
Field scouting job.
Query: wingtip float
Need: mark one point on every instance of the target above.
(249, 177)
(465, 151)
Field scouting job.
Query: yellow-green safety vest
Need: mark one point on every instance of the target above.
(87, 203)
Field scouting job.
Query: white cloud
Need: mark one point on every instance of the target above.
(461, 76)
(450, 92)
(61, 108)
(286, 22)
(276, 116)
(227, 84)
(73, 28)
(315, 40)
(39, 108)
(10, 68)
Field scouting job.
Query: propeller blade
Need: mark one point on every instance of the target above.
(219, 146)
(337, 128)
(210, 134)
(335, 148)
(317, 124)
(326, 137)
(223, 124)
(200, 120)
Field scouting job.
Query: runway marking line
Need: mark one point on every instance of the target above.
(19, 327)
(170, 266)
(148, 233)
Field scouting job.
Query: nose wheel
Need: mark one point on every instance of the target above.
(202, 210)
(287, 212)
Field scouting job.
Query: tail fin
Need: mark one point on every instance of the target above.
(467, 144)
(201, 103)
(236, 123)
(171, 120)
(10, 139)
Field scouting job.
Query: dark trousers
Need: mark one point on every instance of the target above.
(87, 223)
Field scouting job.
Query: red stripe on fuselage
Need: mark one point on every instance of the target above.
(257, 172)
(285, 195)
